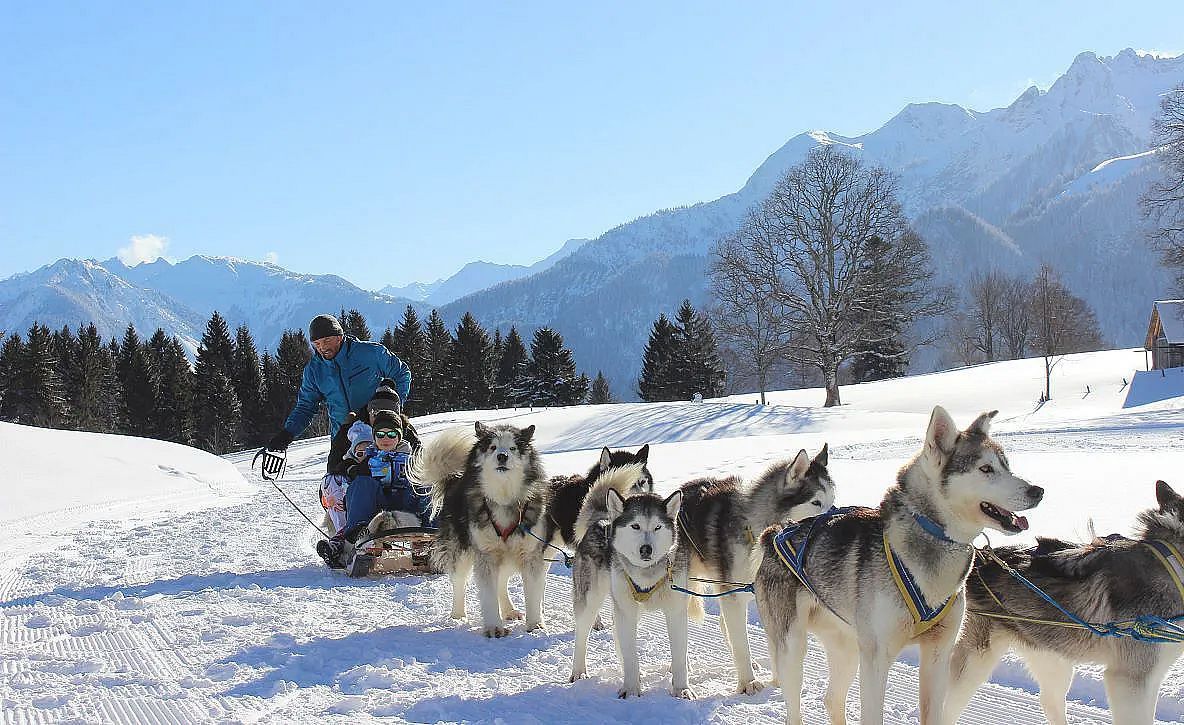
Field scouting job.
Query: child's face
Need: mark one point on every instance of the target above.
(386, 439)
(360, 450)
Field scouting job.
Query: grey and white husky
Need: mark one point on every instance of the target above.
(720, 521)
(487, 488)
(956, 486)
(1109, 580)
(635, 556)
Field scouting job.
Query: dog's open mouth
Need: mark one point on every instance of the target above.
(1010, 522)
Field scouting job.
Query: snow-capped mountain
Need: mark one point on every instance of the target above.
(179, 297)
(1055, 176)
(476, 276)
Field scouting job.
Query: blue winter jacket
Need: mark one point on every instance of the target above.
(345, 383)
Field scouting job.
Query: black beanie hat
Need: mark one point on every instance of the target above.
(324, 326)
(386, 420)
(385, 398)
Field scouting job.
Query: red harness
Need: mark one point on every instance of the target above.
(509, 530)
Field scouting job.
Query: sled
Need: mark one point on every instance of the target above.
(402, 551)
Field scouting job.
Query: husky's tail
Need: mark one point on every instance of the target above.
(440, 461)
(595, 506)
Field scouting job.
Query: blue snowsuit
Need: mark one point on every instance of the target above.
(385, 489)
(345, 383)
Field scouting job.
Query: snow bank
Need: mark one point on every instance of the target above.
(57, 479)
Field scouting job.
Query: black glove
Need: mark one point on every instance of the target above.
(280, 441)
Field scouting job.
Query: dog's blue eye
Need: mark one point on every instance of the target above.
(658, 527)
(637, 527)
(986, 468)
(817, 503)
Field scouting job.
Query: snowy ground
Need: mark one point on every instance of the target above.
(135, 593)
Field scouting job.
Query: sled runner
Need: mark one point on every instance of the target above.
(405, 550)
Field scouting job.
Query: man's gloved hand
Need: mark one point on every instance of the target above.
(280, 441)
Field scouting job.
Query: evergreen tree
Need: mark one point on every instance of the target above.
(158, 344)
(138, 399)
(655, 383)
(696, 366)
(551, 372)
(388, 340)
(600, 390)
(65, 348)
(282, 376)
(355, 324)
(43, 402)
(123, 355)
(436, 390)
(471, 365)
(92, 391)
(12, 392)
(248, 386)
(216, 410)
(411, 345)
(508, 387)
(173, 418)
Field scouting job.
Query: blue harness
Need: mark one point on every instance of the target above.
(794, 555)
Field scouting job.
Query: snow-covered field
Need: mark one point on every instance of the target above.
(145, 582)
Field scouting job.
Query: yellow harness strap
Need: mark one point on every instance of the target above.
(924, 616)
(1169, 556)
(643, 595)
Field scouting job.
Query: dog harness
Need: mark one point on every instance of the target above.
(1169, 556)
(507, 532)
(643, 595)
(794, 556)
(925, 617)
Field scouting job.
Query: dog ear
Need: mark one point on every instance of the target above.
(942, 433)
(798, 468)
(982, 424)
(526, 435)
(823, 456)
(673, 504)
(1166, 497)
(615, 503)
(643, 454)
(606, 459)
(483, 431)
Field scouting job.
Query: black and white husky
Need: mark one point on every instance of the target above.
(566, 494)
(720, 520)
(635, 556)
(1109, 580)
(487, 490)
(861, 566)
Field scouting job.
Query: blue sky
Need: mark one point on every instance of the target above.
(390, 142)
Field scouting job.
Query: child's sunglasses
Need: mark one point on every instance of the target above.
(387, 434)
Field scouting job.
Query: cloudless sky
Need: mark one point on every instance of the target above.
(389, 142)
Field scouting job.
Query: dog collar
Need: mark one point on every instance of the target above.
(924, 616)
(933, 528)
(507, 532)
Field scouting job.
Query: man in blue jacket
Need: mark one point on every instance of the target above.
(344, 373)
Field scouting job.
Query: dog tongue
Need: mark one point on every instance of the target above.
(1021, 522)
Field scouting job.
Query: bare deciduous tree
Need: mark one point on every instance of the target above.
(1015, 319)
(813, 240)
(1063, 323)
(987, 295)
(1163, 203)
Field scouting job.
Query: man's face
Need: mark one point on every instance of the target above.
(327, 347)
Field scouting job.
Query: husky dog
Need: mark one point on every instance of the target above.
(634, 555)
(566, 494)
(956, 486)
(1110, 580)
(487, 490)
(720, 520)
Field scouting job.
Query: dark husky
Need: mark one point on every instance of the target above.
(487, 490)
(1110, 580)
(720, 521)
(956, 486)
(565, 494)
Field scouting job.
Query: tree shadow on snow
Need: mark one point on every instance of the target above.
(323, 660)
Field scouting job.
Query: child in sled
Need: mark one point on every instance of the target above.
(377, 482)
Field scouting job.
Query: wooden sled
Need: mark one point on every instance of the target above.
(402, 551)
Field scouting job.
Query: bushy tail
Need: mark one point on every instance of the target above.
(594, 508)
(439, 461)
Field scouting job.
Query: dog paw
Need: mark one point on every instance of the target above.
(751, 687)
(497, 632)
(576, 676)
(534, 627)
(513, 616)
(684, 693)
(626, 692)
(457, 614)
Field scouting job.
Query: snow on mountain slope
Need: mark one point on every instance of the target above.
(225, 615)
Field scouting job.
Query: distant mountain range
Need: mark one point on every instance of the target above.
(1055, 176)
